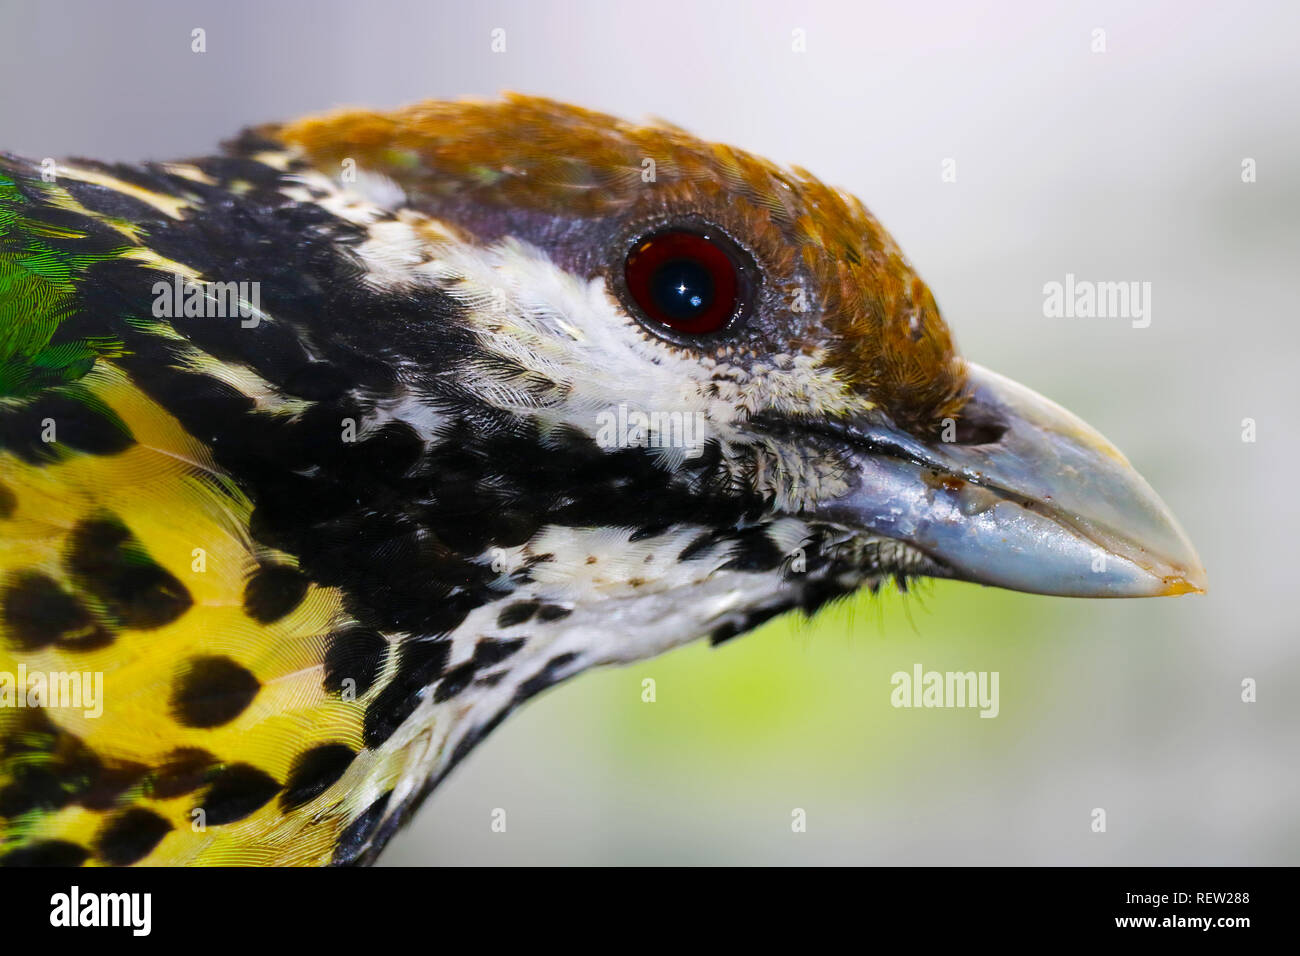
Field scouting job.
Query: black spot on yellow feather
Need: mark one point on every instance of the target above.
(46, 853)
(314, 772)
(109, 781)
(33, 787)
(273, 591)
(39, 613)
(51, 767)
(237, 791)
(8, 503)
(111, 564)
(130, 836)
(212, 691)
(356, 654)
(79, 423)
(182, 771)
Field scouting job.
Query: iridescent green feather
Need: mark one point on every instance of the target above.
(38, 285)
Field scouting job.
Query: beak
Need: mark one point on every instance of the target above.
(1025, 496)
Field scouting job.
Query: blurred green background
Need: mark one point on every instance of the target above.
(1115, 166)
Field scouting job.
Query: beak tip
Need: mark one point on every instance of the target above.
(1181, 570)
(1193, 581)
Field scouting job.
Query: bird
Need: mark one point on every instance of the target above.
(323, 454)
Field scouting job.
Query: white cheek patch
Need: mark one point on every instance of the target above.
(579, 356)
(564, 353)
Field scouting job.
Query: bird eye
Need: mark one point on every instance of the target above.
(687, 281)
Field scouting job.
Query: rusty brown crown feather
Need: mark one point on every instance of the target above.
(874, 320)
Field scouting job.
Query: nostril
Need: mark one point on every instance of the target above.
(978, 431)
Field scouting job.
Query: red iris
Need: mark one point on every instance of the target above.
(683, 280)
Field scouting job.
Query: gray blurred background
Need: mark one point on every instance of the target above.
(1114, 166)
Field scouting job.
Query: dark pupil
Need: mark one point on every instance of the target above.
(682, 288)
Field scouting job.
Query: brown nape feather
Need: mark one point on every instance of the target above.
(871, 317)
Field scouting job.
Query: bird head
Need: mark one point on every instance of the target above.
(692, 342)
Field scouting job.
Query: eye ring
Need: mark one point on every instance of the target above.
(687, 281)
